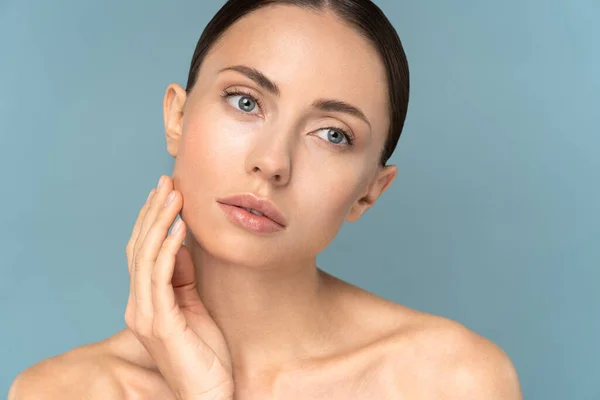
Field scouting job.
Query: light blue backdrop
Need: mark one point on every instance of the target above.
(493, 220)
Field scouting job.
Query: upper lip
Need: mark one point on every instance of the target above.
(264, 206)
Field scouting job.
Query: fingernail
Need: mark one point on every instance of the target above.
(161, 182)
(150, 196)
(170, 199)
(177, 227)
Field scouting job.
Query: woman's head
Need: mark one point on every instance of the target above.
(300, 102)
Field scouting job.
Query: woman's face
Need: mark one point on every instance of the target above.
(284, 149)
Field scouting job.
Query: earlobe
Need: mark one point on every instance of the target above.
(357, 210)
(379, 184)
(173, 106)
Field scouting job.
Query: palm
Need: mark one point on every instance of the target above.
(202, 327)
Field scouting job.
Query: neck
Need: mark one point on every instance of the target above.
(270, 317)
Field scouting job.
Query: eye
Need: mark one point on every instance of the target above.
(244, 102)
(336, 136)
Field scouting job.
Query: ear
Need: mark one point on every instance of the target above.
(382, 180)
(173, 105)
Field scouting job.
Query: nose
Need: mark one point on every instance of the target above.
(270, 158)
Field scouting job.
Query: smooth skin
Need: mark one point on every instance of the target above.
(164, 310)
(173, 349)
(236, 314)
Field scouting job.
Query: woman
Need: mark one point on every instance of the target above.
(291, 111)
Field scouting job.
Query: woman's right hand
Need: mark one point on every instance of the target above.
(164, 310)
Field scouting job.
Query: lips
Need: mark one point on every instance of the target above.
(263, 206)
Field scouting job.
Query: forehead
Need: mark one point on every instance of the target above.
(309, 54)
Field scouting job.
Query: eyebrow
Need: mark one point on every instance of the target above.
(320, 104)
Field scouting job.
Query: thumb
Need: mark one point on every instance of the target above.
(184, 273)
(184, 280)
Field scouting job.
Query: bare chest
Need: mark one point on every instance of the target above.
(378, 373)
(344, 380)
(376, 383)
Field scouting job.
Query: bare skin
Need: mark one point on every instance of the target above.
(391, 352)
(262, 316)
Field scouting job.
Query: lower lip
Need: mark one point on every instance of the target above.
(252, 222)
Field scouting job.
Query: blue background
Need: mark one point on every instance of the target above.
(493, 220)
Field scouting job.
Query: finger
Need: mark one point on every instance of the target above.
(156, 204)
(167, 314)
(130, 308)
(174, 278)
(136, 229)
(184, 281)
(147, 255)
(147, 219)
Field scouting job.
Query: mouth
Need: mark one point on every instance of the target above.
(254, 205)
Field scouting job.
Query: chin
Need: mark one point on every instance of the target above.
(244, 252)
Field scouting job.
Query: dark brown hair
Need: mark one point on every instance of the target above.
(363, 15)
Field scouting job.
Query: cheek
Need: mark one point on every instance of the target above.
(207, 163)
(212, 145)
(332, 194)
(200, 166)
(325, 209)
(207, 139)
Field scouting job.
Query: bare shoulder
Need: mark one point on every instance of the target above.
(93, 371)
(78, 373)
(451, 361)
(432, 356)
(458, 363)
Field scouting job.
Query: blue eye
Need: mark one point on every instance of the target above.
(243, 101)
(337, 136)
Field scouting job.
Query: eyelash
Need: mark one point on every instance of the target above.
(238, 92)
